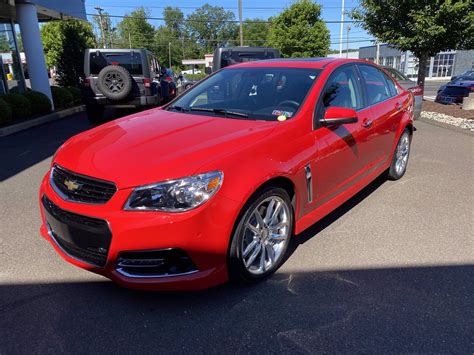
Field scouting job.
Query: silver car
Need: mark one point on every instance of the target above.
(410, 85)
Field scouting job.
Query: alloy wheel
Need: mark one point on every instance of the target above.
(266, 234)
(403, 149)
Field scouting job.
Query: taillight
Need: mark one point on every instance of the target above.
(87, 82)
(169, 79)
(417, 90)
(147, 82)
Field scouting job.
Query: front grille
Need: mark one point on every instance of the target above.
(75, 187)
(81, 237)
(155, 263)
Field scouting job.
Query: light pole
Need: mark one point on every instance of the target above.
(347, 41)
(102, 31)
(341, 29)
(241, 25)
(169, 53)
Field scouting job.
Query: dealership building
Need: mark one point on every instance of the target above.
(19, 19)
(442, 66)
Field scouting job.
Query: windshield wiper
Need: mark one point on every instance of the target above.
(225, 112)
(178, 108)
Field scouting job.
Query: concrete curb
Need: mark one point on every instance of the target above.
(54, 116)
(445, 125)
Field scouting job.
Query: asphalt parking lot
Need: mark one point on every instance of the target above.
(392, 270)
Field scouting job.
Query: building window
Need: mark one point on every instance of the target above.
(443, 65)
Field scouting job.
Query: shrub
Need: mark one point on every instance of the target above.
(16, 90)
(76, 94)
(40, 103)
(21, 107)
(196, 76)
(5, 111)
(62, 98)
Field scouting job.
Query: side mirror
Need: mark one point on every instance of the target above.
(339, 115)
(208, 70)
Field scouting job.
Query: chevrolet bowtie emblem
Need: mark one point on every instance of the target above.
(72, 185)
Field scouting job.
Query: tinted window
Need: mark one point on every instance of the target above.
(233, 57)
(260, 93)
(376, 86)
(342, 90)
(396, 74)
(131, 61)
(391, 85)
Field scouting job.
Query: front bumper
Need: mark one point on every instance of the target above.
(203, 234)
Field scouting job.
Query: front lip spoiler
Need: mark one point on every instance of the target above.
(133, 276)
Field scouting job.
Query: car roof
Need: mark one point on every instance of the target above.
(316, 63)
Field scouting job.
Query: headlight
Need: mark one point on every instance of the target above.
(176, 195)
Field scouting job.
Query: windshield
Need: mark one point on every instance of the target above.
(252, 93)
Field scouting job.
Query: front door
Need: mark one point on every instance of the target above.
(342, 149)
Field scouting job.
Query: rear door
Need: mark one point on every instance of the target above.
(387, 106)
(342, 149)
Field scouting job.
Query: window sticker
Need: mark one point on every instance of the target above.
(288, 114)
(281, 118)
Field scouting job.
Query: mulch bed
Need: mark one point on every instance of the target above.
(451, 110)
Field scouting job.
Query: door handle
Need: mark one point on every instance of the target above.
(367, 123)
(398, 106)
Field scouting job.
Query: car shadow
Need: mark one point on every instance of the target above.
(387, 310)
(27, 148)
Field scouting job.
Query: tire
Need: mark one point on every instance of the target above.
(247, 243)
(94, 113)
(400, 157)
(115, 82)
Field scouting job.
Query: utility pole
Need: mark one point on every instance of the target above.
(169, 53)
(347, 41)
(241, 24)
(377, 53)
(102, 31)
(129, 40)
(341, 29)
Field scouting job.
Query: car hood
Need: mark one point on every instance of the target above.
(157, 145)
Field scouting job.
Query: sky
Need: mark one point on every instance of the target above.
(251, 9)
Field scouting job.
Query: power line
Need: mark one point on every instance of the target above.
(210, 21)
(198, 7)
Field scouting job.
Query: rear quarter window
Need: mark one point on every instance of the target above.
(132, 61)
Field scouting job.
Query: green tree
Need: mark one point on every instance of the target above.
(211, 27)
(64, 46)
(163, 37)
(298, 31)
(4, 45)
(174, 20)
(135, 31)
(255, 32)
(424, 27)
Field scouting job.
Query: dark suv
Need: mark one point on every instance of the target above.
(123, 78)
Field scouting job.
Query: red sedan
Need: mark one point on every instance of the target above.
(213, 186)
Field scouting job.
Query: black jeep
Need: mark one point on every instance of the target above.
(123, 78)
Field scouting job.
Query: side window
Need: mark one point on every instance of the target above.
(391, 85)
(376, 86)
(342, 90)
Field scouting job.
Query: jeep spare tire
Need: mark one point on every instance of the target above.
(115, 82)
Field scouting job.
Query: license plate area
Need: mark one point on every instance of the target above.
(81, 237)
